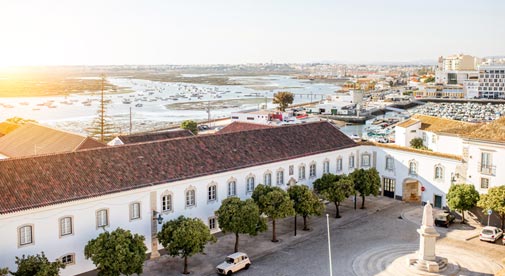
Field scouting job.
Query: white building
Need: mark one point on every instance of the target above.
(492, 81)
(458, 62)
(57, 203)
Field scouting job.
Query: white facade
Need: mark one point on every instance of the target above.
(259, 117)
(492, 81)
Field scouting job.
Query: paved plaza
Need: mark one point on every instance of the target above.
(372, 241)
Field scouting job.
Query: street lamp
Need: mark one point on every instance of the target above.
(329, 244)
(159, 218)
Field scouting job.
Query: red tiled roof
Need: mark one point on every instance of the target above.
(27, 183)
(154, 136)
(90, 143)
(241, 126)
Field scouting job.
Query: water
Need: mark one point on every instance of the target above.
(75, 112)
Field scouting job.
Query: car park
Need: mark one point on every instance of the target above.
(444, 219)
(233, 263)
(490, 233)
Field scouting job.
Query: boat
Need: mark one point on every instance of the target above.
(138, 105)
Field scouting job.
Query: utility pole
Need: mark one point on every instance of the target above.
(102, 111)
(130, 120)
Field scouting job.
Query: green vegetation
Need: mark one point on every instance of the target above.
(334, 188)
(20, 121)
(190, 125)
(240, 217)
(117, 253)
(273, 202)
(305, 202)
(429, 79)
(37, 265)
(494, 200)
(283, 99)
(462, 197)
(4, 271)
(366, 182)
(417, 143)
(185, 237)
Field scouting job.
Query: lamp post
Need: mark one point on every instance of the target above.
(329, 243)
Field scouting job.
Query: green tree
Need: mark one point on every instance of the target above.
(190, 125)
(366, 182)
(37, 265)
(494, 200)
(185, 237)
(283, 99)
(429, 79)
(102, 127)
(305, 203)
(462, 197)
(117, 253)
(338, 191)
(240, 217)
(325, 182)
(4, 271)
(273, 202)
(417, 143)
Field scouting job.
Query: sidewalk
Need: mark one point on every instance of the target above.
(260, 246)
(457, 230)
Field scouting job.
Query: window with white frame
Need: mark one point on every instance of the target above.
(250, 184)
(312, 170)
(326, 166)
(351, 162)
(412, 168)
(291, 170)
(212, 192)
(102, 218)
(190, 198)
(280, 177)
(339, 164)
(484, 183)
(68, 259)
(166, 203)
(389, 163)
(439, 172)
(135, 210)
(212, 223)
(301, 172)
(365, 160)
(424, 137)
(232, 188)
(25, 235)
(66, 227)
(267, 179)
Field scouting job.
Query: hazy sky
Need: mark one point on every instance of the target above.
(51, 32)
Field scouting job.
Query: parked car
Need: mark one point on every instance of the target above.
(234, 263)
(490, 233)
(444, 219)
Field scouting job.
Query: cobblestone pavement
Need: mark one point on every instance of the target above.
(386, 225)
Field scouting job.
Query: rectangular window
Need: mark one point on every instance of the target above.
(326, 167)
(134, 210)
(291, 170)
(312, 170)
(250, 184)
(212, 223)
(484, 183)
(389, 163)
(232, 186)
(339, 164)
(280, 177)
(212, 193)
(365, 160)
(166, 203)
(351, 162)
(68, 259)
(424, 137)
(25, 235)
(190, 198)
(301, 172)
(102, 219)
(66, 226)
(267, 179)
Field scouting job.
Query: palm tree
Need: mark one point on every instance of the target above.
(283, 99)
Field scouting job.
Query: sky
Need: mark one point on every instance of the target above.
(103, 32)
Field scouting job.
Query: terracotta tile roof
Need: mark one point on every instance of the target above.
(154, 136)
(426, 152)
(241, 126)
(433, 124)
(491, 131)
(90, 143)
(27, 183)
(34, 139)
(6, 127)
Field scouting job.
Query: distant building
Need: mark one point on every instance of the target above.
(492, 81)
(33, 139)
(458, 62)
(266, 117)
(453, 77)
(149, 137)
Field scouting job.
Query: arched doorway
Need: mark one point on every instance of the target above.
(411, 190)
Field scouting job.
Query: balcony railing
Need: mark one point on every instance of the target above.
(487, 169)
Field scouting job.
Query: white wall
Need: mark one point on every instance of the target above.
(497, 177)
(404, 135)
